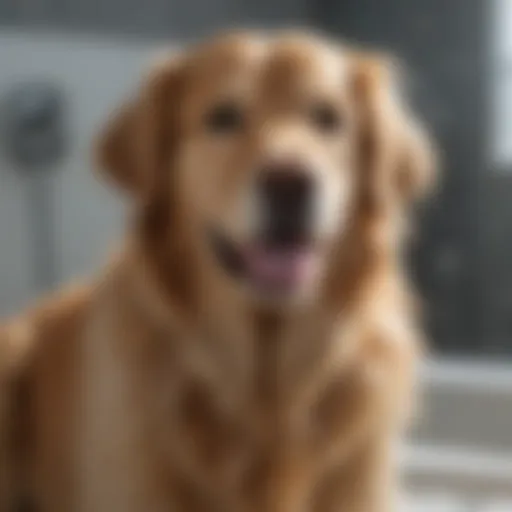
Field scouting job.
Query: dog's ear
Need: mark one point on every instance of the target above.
(115, 151)
(137, 142)
(396, 151)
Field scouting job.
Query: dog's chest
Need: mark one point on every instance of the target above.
(251, 455)
(174, 440)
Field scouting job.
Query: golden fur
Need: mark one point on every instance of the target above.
(163, 386)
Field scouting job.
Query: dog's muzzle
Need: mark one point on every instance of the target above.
(281, 254)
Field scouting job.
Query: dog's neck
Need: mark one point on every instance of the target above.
(253, 352)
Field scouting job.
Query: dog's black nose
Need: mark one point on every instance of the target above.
(286, 192)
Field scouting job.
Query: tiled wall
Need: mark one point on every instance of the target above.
(150, 18)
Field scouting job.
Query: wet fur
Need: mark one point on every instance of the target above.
(154, 388)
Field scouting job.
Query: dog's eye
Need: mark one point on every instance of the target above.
(225, 118)
(326, 118)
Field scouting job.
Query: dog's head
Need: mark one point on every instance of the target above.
(270, 151)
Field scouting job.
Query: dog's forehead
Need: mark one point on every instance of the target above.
(278, 59)
(300, 55)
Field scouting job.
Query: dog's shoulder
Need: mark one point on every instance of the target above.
(43, 327)
(37, 364)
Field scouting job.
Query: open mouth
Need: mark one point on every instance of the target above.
(273, 268)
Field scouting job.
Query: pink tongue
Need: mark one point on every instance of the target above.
(278, 267)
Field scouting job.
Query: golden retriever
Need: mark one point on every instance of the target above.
(252, 345)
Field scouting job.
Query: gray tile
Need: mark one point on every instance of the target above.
(497, 506)
(436, 502)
